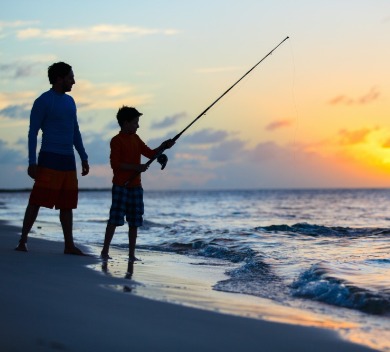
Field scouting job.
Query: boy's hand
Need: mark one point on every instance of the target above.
(169, 143)
(142, 168)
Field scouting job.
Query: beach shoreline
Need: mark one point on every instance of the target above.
(51, 301)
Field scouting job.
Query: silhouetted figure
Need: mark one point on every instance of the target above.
(127, 192)
(56, 185)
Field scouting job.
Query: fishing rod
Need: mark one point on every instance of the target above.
(161, 158)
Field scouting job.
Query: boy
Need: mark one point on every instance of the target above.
(127, 193)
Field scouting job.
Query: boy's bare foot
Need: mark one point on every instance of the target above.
(133, 259)
(105, 256)
(22, 247)
(74, 251)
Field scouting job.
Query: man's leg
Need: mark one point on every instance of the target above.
(66, 219)
(110, 230)
(132, 242)
(29, 218)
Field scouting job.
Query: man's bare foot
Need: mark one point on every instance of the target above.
(22, 247)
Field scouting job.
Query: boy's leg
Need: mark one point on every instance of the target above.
(116, 218)
(110, 230)
(29, 218)
(132, 242)
(134, 217)
(66, 219)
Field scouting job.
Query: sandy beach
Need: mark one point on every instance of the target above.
(54, 302)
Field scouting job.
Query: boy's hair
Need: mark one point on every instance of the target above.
(126, 113)
(58, 69)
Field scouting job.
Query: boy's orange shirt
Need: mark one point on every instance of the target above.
(127, 148)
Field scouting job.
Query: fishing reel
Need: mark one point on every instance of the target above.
(162, 159)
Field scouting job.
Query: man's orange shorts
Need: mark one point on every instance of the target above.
(53, 188)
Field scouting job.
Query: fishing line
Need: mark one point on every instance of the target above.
(162, 158)
(297, 115)
(228, 90)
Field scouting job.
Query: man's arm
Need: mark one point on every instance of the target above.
(32, 171)
(37, 117)
(78, 144)
(85, 168)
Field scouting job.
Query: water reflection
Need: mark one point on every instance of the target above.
(128, 275)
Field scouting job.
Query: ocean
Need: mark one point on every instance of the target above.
(316, 257)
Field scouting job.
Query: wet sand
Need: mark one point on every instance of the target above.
(51, 301)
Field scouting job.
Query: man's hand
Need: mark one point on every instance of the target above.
(85, 168)
(32, 171)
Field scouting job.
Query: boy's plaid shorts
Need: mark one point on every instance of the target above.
(127, 202)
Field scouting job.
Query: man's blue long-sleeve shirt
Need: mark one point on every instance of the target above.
(56, 115)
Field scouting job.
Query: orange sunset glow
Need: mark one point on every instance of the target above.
(315, 113)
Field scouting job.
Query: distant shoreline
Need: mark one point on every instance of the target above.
(319, 189)
(21, 190)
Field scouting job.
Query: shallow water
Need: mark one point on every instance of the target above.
(321, 255)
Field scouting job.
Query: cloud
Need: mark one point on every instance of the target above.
(90, 96)
(112, 125)
(5, 25)
(16, 111)
(205, 136)
(26, 67)
(203, 147)
(97, 147)
(278, 124)
(10, 156)
(354, 137)
(17, 70)
(192, 142)
(372, 95)
(231, 164)
(100, 176)
(14, 24)
(266, 151)
(7, 28)
(97, 33)
(226, 151)
(227, 164)
(16, 98)
(168, 121)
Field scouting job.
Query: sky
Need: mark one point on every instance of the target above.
(314, 114)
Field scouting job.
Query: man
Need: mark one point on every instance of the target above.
(56, 185)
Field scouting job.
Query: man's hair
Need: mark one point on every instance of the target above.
(126, 113)
(58, 69)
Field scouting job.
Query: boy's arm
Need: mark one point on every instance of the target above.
(150, 153)
(133, 167)
(116, 162)
(169, 143)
